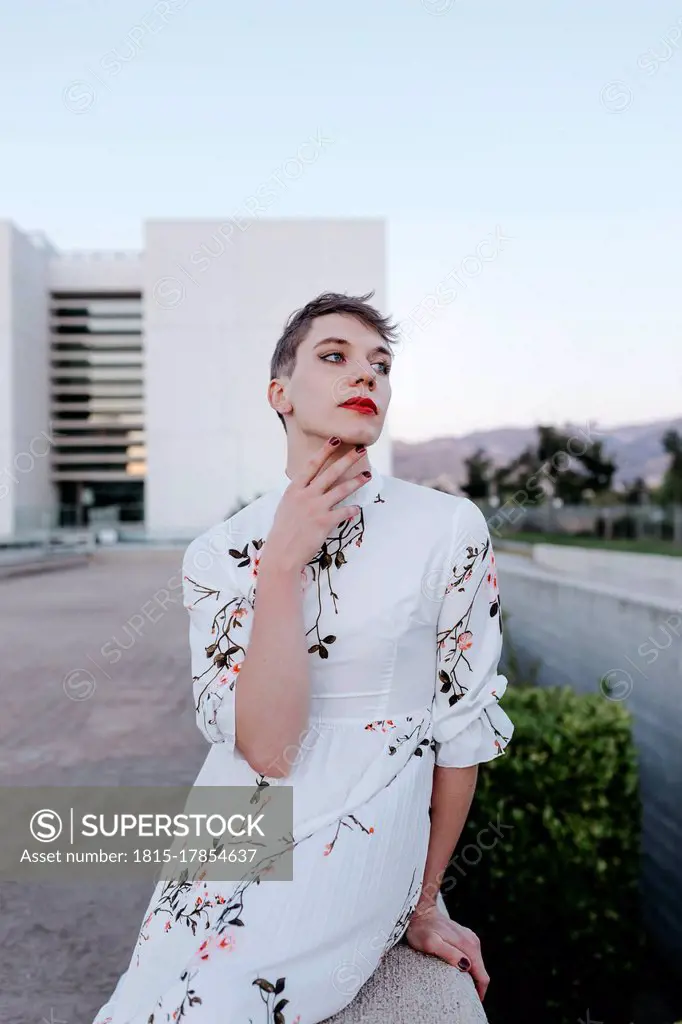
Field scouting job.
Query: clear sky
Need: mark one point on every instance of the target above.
(555, 124)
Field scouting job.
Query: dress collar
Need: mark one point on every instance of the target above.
(364, 495)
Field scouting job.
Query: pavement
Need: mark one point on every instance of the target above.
(96, 690)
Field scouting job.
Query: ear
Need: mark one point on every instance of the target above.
(277, 398)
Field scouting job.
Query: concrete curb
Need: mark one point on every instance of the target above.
(46, 564)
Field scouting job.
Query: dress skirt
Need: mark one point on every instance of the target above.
(303, 948)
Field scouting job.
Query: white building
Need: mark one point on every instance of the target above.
(137, 381)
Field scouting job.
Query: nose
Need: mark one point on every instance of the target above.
(367, 377)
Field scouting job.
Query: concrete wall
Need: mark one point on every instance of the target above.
(31, 383)
(216, 297)
(6, 369)
(658, 575)
(584, 632)
(26, 495)
(97, 271)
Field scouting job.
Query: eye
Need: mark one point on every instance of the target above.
(386, 367)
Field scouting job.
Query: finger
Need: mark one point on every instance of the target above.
(479, 974)
(346, 487)
(330, 474)
(469, 942)
(342, 514)
(317, 461)
(464, 939)
(448, 951)
(455, 955)
(481, 982)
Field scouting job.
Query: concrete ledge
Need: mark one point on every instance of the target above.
(413, 988)
(45, 563)
(657, 575)
(528, 568)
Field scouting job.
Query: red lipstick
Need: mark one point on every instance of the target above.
(363, 405)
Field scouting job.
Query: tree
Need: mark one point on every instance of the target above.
(574, 474)
(600, 468)
(671, 488)
(636, 492)
(550, 469)
(514, 477)
(477, 484)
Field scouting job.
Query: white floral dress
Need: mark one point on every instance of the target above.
(403, 625)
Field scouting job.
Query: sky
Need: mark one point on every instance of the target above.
(526, 157)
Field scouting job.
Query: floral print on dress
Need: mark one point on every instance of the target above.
(243, 558)
(349, 821)
(408, 908)
(455, 641)
(468, 649)
(225, 653)
(330, 558)
(269, 993)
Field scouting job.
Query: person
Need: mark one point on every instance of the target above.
(345, 635)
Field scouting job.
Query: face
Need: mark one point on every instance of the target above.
(339, 359)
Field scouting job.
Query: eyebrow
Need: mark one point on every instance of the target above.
(342, 341)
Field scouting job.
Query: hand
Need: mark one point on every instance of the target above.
(305, 517)
(431, 931)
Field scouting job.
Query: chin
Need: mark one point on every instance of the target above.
(352, 429)
(360, 433)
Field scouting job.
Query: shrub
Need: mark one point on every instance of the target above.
(555, 900)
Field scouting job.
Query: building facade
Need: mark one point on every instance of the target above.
(133, 385)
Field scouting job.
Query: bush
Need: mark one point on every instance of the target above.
(555, 900)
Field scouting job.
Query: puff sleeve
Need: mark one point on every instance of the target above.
(220, 619)
(469, 726)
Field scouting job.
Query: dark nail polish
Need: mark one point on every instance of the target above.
(360, 448)
(334, 441)
(464, 964)
(366, 472)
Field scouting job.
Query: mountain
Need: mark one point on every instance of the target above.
(636, 449)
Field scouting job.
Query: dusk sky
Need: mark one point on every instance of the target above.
(553, 125)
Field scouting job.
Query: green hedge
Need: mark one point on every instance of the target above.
(552, 886)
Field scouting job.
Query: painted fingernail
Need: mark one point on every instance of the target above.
(366, 472)
(464, 964)
(360, 448)
(334, 441)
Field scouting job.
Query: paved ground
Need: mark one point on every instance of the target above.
(82, 704)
